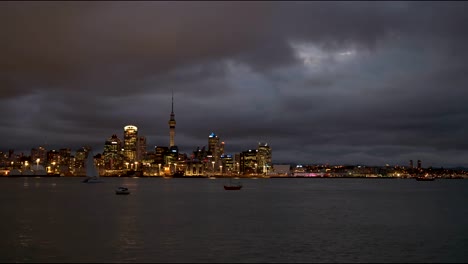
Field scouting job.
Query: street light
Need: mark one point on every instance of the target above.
(159, 169)
(221, 169)
(213, 165)
(136, 165)
(126, 163)
(255, 168)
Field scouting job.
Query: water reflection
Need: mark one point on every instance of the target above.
(24, 234)
(24, 239)
(127, 240)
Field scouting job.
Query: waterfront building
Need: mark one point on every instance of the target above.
(39, 155)
(194, 168)
(160, 154)
(227, 164)
(281, 170)
(130, 143)
(65, 162)
(173, 155)
(264, 157)
(80, 158)
(53, 161)
(215, 148)
(248, 162)
(112, 154)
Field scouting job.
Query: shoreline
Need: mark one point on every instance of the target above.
(228, 177)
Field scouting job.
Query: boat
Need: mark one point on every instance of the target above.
(237, 187)
(122, 190)
(233, 186)
(92, 174)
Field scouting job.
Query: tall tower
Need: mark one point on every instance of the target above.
(172, 124)
(130, 143)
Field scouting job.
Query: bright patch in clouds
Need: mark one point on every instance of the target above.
(315, 58)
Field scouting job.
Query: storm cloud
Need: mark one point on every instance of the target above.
(322, 82)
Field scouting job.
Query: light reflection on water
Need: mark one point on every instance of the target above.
(269, 220)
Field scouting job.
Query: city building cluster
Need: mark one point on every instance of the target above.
(130, 157)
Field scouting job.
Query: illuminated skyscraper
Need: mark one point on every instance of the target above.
(113, 153)
(214, 147)
(172, 124)
(112, 145)
(264, 157)
(130, 143)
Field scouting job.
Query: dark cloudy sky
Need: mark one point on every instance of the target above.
(322, 82)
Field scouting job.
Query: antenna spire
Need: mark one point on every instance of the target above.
(172, 109)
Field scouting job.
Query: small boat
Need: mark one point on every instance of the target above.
(122, 190)
(231, 186)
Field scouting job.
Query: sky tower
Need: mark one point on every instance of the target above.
(172, 124)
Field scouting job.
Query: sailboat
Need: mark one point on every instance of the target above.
(232, 186)
(92, 174)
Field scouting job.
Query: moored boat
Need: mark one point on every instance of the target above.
(122, 190)
(232, 186)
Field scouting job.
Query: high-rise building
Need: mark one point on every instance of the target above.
(411, 164)
(80, 158)
(112, 145)
(227, 163)
(65, 157)
(221, 148)
(248, 162)
(172, 124)
(113, 153)
(39, 156)
(214, 147)
(141, 153)
(160, 153)
(263, 157)
(130, 143)
(419, 164)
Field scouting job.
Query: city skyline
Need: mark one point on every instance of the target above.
(370, 83)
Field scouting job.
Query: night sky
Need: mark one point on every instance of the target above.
(370, 83)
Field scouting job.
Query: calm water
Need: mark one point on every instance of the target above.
(269, 220)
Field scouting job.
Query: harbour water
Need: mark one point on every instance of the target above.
(269, 220)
